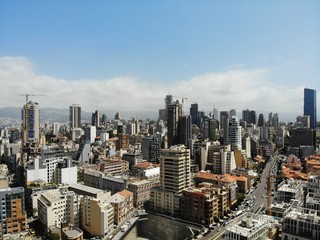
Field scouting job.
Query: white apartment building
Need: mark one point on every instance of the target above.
(57, 206)
(249, 227)
(97, 215)
(300, 224)
(290, 189)
(51, 166)
(234, 134)
(220, 159)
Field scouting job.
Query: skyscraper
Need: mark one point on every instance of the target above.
(310, 106)
(184, 130)
(194, 112)
(75, 116)
(96, 119)
(31, 121)
(174, 112)
(234, 134)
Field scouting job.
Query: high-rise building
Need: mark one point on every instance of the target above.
(310, 106)
(151, 149)
(224, 122)
(215, 114)
(304, 121)
(261, 121)
(233, 112)
(12, 214)
(275, 120)
(194, 112)
(249, 116)
(175, 174)
(55, 128)
(96, 119)
(75, 116)
(31, 121)
(184, 130)
(174, 112)
(234, 134)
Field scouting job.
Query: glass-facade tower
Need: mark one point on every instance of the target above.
(310, 106)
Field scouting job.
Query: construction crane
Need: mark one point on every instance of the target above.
(29, 94)
(25, 127)
(182, 102)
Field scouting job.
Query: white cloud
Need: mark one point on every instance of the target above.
(238, 89)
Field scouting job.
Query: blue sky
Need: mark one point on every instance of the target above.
(160, 46)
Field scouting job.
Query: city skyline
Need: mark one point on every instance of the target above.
(124, 57)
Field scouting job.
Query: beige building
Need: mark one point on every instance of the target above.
(70, 232)
(122, 203)
(58, 206)
(175, 176)
(200, 205)
(141, 192)
(97, 215)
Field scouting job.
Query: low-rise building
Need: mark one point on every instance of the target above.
(70, 232)
(199, 205)
(141, 192)
(227, 181)
(58, 206)
(122, 203)
(249, 227)
(290, 189)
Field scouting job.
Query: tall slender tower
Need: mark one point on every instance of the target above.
(194, 112)
(174, 112)
(234, 134)
(310, 106)
(75, 116)
(31, 121)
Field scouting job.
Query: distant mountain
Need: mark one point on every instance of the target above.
(62, 115)
(46, 114)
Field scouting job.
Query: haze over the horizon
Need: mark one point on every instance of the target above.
(126, 56)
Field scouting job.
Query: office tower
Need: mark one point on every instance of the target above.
(253, 117)
(224, 122)
(31, 121)
(75, 116)
(304, 121)
(168, 100)
(104, 119)
(200, 119)
(310, 106)
(234, 134)
(261, 121)
(12, 214)
(55, 128)
(90, 133)
(96, 119)
(151, 149)
(270, 118)
(194, 112)
(215, 113)
(233, 112)
(174, 112)
(184, 130)
(275, 120)
(210, 128)
(117, 116)
(249, 116)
